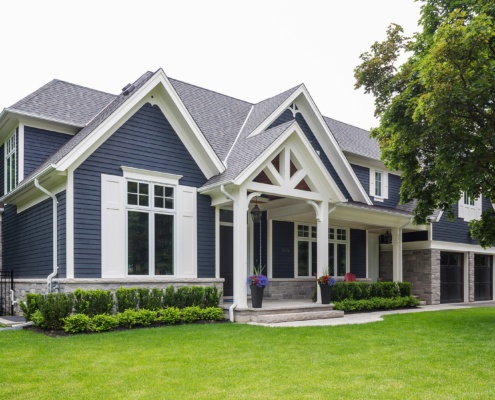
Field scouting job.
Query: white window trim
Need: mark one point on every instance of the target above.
(469, 212)
(7, 155)
(308, 239)
(151, 210)
(335, 242)
(384, 190)
(145, 175)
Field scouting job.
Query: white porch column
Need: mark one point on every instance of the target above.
(240, 248)
(397, 254)
(322, 243)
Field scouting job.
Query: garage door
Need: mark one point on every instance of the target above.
(483, 277)
(451, 277)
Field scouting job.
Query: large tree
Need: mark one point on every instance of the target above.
(436, 110)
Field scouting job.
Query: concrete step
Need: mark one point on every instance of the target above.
(296, 316)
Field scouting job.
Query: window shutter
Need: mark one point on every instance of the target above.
(372, 182)
(461, 213)
(113, 227)
(186, 249)
(385, 185)
(477, 208)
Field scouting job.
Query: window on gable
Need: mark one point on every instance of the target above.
(150, 228)
(378, 184)
(11, 162)
(469, 208)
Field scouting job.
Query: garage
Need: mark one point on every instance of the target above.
(451, 277)
(483, 277)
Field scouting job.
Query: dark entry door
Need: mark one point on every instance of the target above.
(451, 277)
(483, 277)
(227, 259)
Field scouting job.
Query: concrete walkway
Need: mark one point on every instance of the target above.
(367, 317)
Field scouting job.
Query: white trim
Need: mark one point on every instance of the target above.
(69, 224)
(269, 250)
(157, 90)
(438, 245)
(384, 184)
(39, 198)
(150, 176)
(238, 134)
(20, 154)
(217, 242)
(465, 274)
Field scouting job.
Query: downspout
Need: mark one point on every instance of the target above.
(55, 234)
(231, 312)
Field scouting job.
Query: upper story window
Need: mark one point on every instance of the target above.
(11, 162)
(469, 207)
(150, 228)
(378, 185)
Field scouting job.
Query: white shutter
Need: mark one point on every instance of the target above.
(477, 208)
(372, 182)
(460, 212)
(186, 249)
(113, 227)
(385, 185)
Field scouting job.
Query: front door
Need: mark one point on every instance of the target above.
(227, 259)
(451, 277)
(483, 277)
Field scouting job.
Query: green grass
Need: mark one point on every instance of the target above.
(431, 355)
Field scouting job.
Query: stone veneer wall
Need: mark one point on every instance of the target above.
(470, 276)
(385, 271)
(285, 288)
(24, 286)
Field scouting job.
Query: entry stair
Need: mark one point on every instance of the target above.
(274, 311)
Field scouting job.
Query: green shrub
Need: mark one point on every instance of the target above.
(212, 314)
(212, 296)
(31, 305)
(104, 322)
(127, 299)
(77, 323)
(93, 302)
(190, 314)
(38, 319)
(169, 297)
(152, 301)
(169, 315)
(376, 303)
(181, 298)
(54, 307)
(146, 317)
(128, 318)
(364, 290)
(196, 296)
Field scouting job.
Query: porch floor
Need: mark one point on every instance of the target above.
(285, 310)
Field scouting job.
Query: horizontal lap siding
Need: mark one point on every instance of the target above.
(363, 175)
(39, 144)
(456, 231)
(28, 240)
(394, 183)
(145, 141)
(358, 253)
(283, 249)
(61, 235)
(316, 145)
(2, 172)
(286, 116)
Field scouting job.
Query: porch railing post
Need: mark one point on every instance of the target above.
(322, 242)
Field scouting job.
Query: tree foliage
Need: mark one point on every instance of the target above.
(436, 110)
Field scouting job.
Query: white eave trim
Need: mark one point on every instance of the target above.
(25, 184)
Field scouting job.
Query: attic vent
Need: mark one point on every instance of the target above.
(293, 107)
(128, 89)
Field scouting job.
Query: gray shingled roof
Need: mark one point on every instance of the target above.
(219, 117)
(245, 152)
(63, 102)
(354, 140)
(83, 133)
(409, 207)
(387, 210)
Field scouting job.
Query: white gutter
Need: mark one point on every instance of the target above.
(229, 196)
(55, 234)
(231, 312)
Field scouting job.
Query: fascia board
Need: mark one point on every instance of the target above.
(277, 144)
(118, 116)
(25, 185)
(371, 217)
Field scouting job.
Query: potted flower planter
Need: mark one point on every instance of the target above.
(257, 296)
(325, 291)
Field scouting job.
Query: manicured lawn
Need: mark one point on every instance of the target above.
(431, 355)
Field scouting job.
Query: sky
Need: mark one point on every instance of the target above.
(250, 50)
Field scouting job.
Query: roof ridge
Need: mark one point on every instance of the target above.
(211, 91)
(84, 87)
(345, 123)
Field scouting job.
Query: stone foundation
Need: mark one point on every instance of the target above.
(24, 286)
(293, 288)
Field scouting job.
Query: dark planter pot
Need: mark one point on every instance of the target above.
(326, 291)
(257, 296)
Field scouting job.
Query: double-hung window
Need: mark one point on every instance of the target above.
(306, 250)
(469, 207)
(150, 228)
(11, 162)
(337, 251)
(378, 184)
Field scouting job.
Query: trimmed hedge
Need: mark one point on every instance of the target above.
(363, 290)
(376, 303)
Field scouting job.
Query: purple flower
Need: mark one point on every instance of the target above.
(258, 280)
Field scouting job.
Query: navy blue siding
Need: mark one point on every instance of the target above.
(206, 237)
(282, 119)
(39, 144)
(28, 239)
(414, 236)
(316, 145)
(145, 141)
(456, 231)
(61, 235)
(2, 166)
(283, 249)
(394, 182)
(358, 252)
(256, 245)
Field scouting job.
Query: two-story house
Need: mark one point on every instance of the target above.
(169, 183)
